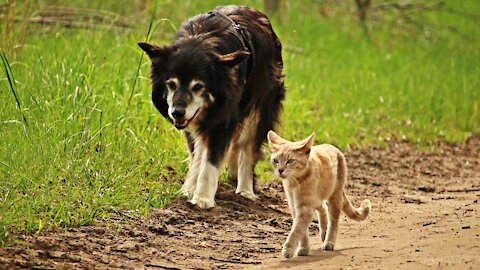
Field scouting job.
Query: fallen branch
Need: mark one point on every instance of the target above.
(233, 261)
(406, 6)
(466, 190)
(447, 27)
(156, 265)
(75, 18)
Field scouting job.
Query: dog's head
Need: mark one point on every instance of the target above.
(188, 78)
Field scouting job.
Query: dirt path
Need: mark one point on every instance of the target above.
(425, 215)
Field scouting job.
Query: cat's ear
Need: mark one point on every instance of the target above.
(274, 141)
(308, 143)
(273, 138)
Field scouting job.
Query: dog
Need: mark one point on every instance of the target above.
(221, 83)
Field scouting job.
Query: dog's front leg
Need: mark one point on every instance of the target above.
(188, 188)
(211, 153)
(207, 180)
(207, 185)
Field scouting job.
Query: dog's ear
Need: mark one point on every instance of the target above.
(232, 59)
(153, 51)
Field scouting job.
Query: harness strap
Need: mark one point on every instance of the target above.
(241, 35)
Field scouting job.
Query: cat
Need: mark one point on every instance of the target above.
(313, 179)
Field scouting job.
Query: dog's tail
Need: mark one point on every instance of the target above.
(357, 214)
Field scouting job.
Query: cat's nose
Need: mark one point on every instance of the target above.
(280, 171)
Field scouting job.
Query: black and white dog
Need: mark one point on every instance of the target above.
(221, 82)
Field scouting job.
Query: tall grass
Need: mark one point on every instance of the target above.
(95, 144)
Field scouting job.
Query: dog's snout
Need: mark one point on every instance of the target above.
(178, 112)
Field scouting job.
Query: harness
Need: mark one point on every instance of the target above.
(241, 35)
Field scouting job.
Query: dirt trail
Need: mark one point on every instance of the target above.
(425, 215)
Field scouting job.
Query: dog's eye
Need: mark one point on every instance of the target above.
(198, 86)
(290, 161)
(171, 85)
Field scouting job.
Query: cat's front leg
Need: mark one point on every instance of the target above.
(301, 222)
(304, 247)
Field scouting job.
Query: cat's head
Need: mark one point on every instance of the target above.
(289, 158)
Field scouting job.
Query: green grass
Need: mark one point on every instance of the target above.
(82, 140)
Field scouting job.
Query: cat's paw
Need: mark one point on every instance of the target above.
(287, 252)
(305, 251)
(203, 203)
(327, 246)
(247, 194)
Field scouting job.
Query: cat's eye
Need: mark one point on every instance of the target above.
(290, 161)
(171, 85)
(275, 161)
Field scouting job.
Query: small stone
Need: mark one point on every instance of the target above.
(135, 233)
(75, 244)
(412, 199)
(105, 259)
(427, 189)
(125, 247)
(162, 229)
(56, 254)
(465, 227)
(98, 230)
(74, 258)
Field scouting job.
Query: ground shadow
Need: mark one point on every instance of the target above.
(316, 255)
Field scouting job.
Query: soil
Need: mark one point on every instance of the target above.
(425, 214)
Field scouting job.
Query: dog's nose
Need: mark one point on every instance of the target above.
(178, 113)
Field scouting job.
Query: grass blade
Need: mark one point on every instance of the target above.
(12, 84)
(147, 37)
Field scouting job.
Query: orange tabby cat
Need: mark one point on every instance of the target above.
(313, 175)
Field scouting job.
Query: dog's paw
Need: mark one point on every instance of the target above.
(305, 251)
(203, 203)
(247, 194)
(186, 193)
(188, 190)
(327, 246)
(287, 252)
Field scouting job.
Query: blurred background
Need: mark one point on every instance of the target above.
(80, 138)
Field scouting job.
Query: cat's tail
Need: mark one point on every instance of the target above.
(357, 214)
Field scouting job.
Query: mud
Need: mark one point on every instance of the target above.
(425, 215)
